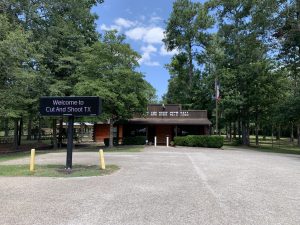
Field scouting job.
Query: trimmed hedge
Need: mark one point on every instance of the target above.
(200, 141)
(138, 140)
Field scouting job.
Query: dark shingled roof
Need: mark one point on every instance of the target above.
(170, 121)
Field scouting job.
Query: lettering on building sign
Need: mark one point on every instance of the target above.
(184, 114)
(169, 114)
(162, 113)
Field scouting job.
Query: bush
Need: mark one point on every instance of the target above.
(200, 141)
(138, 140)
(237, 142)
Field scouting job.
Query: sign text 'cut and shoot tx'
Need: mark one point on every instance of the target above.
(70, 106)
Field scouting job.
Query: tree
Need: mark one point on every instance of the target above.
(19, 82)
(245, 70)
(58, 30)
(108, 70)
(186, 31)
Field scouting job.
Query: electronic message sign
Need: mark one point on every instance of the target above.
(70, 106)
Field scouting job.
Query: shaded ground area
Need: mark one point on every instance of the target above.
(161, 186)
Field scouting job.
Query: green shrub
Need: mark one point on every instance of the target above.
(200, 141)
(179, 141)
(138, 140)
(237, 142)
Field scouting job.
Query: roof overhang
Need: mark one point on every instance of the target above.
(167, 121)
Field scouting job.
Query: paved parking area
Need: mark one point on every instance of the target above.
(161, 186)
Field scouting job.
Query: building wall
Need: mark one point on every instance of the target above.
(101, 131)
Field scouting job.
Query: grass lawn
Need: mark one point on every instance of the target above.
(18, 155)
(265, 145)
(55, 171)
(121, 148)
(125, 149)
(92, 148)
(15, 155)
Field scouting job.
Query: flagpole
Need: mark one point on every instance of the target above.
(216, 89)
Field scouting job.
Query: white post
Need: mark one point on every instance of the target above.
(155, 141)
(167, 141)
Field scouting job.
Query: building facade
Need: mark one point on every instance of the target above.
(161, 121)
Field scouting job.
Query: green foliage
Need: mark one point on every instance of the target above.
(138, 140)
(200, 141)
(186, 32)
(108, 71)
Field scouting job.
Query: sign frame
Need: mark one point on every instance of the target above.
(77, 106)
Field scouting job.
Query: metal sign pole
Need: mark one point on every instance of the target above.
(70, 142)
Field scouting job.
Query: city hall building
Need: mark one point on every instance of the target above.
(161, 121)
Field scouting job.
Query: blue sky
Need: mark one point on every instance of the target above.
(143, 22)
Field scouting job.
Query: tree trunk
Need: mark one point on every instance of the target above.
(272, 133)
(256, 134)
(16, 132)
(298, 134)
(234, 130)
(39, 130)
(264, 133)
(60, 133)
(54, 135)
(239, 128)
(292, 133)
(29, 128)
(6, 129)
(20, 131)
(190, 64)
(111, 133)
(230, 132)
(226, 131)
(256, 129)
(278, 133)
(245, 133)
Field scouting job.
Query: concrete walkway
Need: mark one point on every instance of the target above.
(160, 186)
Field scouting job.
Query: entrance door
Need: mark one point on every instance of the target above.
(151, 133)
(162, 131)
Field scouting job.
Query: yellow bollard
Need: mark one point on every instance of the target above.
(32, 159)
(101, 158)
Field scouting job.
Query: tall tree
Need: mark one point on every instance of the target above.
(108, 70)
(186, 31)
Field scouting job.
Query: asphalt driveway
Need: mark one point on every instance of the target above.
(160, 186)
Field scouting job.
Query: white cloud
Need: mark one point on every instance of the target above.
(146, 56)
(150, 35)
(118, 25)
(154, 35)
(124, 23)
(112, 27)
(163, 51)
(136, 33)
(149, 49)
(155, 19)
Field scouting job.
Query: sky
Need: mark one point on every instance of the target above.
(143, 22)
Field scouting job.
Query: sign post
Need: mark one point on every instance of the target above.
(70, 142)
(71, 107)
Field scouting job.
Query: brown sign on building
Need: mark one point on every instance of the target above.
(173, 111)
